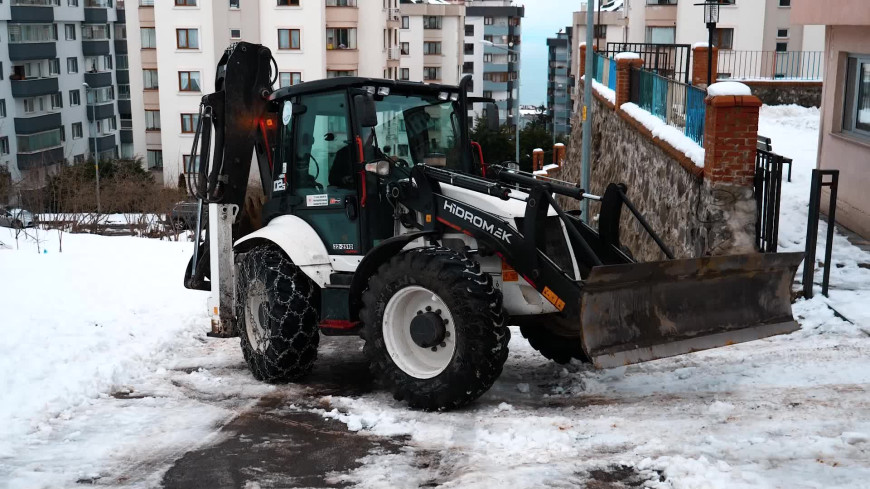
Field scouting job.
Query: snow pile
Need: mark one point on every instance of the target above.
(627, 55)
(670, 135)
(602, 90)
(701, 44)
(93, 337)
(728, 88)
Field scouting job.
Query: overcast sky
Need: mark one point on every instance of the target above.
(543, 19)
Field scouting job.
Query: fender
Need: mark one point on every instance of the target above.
(385, 250)
(298, 240)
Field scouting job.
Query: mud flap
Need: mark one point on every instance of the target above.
(644, 311)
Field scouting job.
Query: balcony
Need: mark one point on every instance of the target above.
(38, 123)
(98, 79)
(495, 67)
(101, 111)
(96, 15)
(37, 159)
(120, 46)
(34, 87)
(495, 86)
(24, 11)
(393, 53)
(95, 48)
(126, 135)
(123, 77)
(124, 108)
(24, 51)
(103, 143)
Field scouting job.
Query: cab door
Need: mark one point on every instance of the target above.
(322, 171)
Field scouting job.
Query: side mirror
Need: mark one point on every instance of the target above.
(490, 111)
(367, 114)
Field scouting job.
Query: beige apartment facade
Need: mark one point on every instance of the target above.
(844, 130)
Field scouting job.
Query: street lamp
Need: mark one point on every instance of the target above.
(92, 136)
(711, 18)
(517, 101)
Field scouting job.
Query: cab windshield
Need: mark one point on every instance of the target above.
(417, 129)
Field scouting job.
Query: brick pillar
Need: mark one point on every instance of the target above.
(730, 133)
(558, 154)
(623, 77)
(537, 159)
(582, 67)
(699, 65)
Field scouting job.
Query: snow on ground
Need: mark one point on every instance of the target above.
(107, 377)
(90, 331)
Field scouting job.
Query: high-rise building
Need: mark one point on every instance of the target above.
(495, 66)
(559, 82)
(431, 40)
(58, 88)
(186, 38)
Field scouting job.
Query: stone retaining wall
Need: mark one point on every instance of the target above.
(805, 94)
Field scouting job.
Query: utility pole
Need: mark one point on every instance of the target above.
(587, 110)
(92, 138)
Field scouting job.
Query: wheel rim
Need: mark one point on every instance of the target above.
(414, 360)
(256, 314)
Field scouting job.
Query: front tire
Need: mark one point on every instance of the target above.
(278, 313)
(434, 328)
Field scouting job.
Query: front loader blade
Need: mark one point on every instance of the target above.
(644, 311)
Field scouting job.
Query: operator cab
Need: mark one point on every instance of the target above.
(328, 130)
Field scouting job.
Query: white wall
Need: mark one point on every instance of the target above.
(746, 18)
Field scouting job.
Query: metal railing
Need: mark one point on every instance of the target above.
(771, 65)
(768, 191)
(668, 60)
(604, 70)
(676, 104)
(814, 214)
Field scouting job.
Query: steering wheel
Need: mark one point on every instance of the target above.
(316, 166)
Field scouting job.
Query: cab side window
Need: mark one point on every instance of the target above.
(323, 150)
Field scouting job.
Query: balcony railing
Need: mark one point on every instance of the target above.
(771, 65)
(341, 3)
(98, 3)
(393, 53)
(33, 3)
(676, 104)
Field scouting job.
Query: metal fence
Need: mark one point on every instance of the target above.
(677, 104)
(604, 70)
(771, 65)
(768, 190)
(668, 60)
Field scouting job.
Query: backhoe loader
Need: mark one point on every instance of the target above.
(380, 219)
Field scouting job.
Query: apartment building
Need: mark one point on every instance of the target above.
(560, 83)
(495, 67)
(57, 85)
(431, 40)
(309, 39)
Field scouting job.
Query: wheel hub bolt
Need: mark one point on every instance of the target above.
(435, 348)
(443, 344)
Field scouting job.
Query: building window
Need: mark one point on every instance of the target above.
(487, 57)
(56, 100)
(431, 47)
(600, 31)
(149, 38)
(406, 48)
(338, 73)
(149, 78)
(187, 167)
(661, 35)
(154, 159)
(724, 38)
(235, 33)
(785, 3)
(288, 39)
(469, 29)
(234, 3)
(288, 3)
(468, 67)
(4, 145)
(856, 117)
(96, 32)
(122, 62)
(469, 48)
(431, 21)
(488, 21)
(188, 81)
(123, 92)
(120, 31)
(72, 65)
(406, 22)
(406, 74)
(340, 38)
(2, 107)
(781, 47)
(185, 3)
(32, 32)
(72, 3)
(187, 38)
(286, 79)
(77, 130)
(431, 73)
(189, 123)
(75, 98)
(53, 66)
(487, 94)
(782, 33)
(152, 120)
(70, 31)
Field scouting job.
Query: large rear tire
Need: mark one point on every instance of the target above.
(277, 308)
(434, 328)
